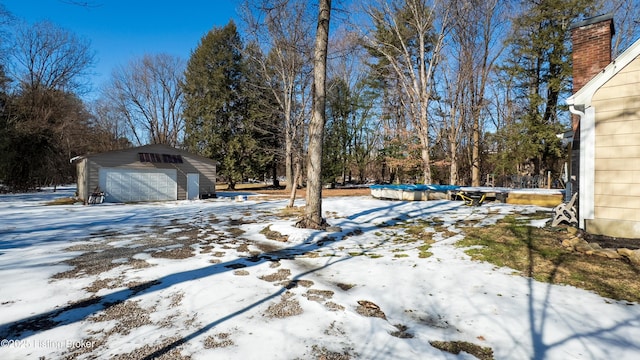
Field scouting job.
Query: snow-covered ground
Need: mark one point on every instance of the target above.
(199, 279)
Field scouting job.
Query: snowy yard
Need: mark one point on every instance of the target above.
(219, 279)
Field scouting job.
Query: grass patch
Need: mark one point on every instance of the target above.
(424, 251)
(538, 253)
(291, 212)
(62, 201)
(273, 235)
(419, 231)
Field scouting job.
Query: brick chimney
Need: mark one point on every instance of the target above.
(591, 40)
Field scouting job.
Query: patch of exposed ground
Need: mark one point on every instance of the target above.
(455, 347)
(538, 253)
(111, 283)
(167, 349)
(288, 306)
(273, 235)
(369, 309)
(280, 275)
(322, 353)
(219, 340)
(243, 248)
(176, 299)
(401, 332)
(333, 306)
(611, 242)
(128, 315)
(114, 283)
(318, 295)
(100, 255)
(235, 232)
(183, 252)
(305, 283)
(97, 262)
(345, 287)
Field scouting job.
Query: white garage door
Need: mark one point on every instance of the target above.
(129, 185)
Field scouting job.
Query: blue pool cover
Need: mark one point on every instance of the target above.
(417, 187)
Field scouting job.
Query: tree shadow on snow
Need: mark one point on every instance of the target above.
(81, 310)
(538, 316)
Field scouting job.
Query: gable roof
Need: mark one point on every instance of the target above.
(584, 95)
(149, 147)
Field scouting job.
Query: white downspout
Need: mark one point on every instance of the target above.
(580, 114)
(587, 164)
(574, 111)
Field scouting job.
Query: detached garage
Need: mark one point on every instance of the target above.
(146, 173)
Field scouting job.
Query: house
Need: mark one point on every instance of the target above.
(146, 173)
(606, 147)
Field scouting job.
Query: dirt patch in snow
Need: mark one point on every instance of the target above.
(219, 340)
(280, 275)
(288, 306)
(370, 309)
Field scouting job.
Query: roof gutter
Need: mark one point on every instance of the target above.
(574, 111)
(75, 158)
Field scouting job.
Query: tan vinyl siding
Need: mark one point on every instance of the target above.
(617, 149)
(207, 175)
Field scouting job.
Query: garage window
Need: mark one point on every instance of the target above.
(160, 158)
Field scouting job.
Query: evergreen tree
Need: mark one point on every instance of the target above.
(540, 64)
(215, 106)
(337, 139)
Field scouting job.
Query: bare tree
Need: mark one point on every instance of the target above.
(346, 61)
(148, 95)
(6, 19)
(44, 115)
(453, 113)
(410, 38)
(112, 129)
(473, 49)
(283, 28)
(627, 23)
(48, 57)
(313, 208)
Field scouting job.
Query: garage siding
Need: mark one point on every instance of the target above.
(133, 185)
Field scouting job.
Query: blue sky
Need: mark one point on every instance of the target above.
(121, 30)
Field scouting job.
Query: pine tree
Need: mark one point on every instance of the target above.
(214, 104)
(540, 63)
(337, 137)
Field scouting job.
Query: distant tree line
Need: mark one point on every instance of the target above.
(43, 121)
(435, 91)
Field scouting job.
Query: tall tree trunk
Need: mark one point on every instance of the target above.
(288, 157)
(313, 209)
(475, 154)
(294, 185)
(453, 168)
